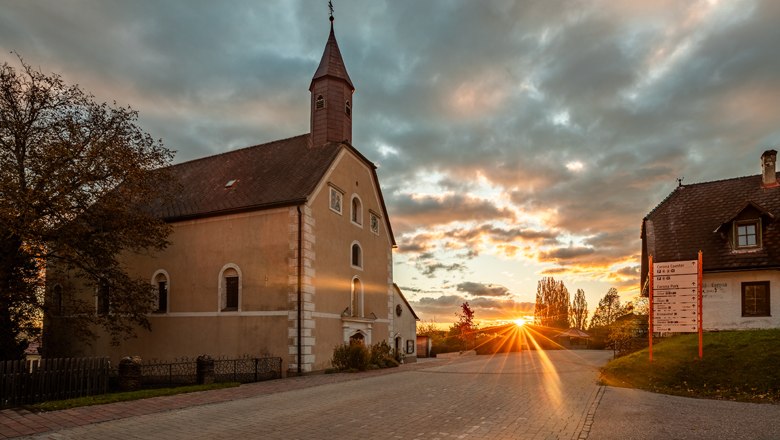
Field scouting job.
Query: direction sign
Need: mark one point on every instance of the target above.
(675, 296)
(674, 293)
(676, 267)
(666, 282)
(671, 300)
(675, 328)
(684, 308)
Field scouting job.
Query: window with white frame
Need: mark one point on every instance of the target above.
(357, 211)
(356, 298)
(57, 300)
(747, 234)
(356, 257)
(336, 198)
(161, 284)
(230, 288)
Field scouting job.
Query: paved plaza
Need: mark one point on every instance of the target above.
(529, 395)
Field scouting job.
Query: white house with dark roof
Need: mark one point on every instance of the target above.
(283, 248)
(734, 222)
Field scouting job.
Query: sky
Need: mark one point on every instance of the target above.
(514, 140)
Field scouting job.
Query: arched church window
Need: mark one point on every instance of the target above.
(356, 298)
(348, 108)
(357, 211)
(161, 283)
(357, 256)
(57, 300)
(319, 102)
(229, 288)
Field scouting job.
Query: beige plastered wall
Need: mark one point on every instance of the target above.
(257, 243)
(405, 327)
(334, 273)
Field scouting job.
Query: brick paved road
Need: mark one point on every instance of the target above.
(514, 396)
(627, 414)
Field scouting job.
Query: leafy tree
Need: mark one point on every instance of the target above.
(552, 304)
(641, 305)
(427, 328)
(608, 310)
(579, 310)
(621, 335)
(465, 328)
(74, 176)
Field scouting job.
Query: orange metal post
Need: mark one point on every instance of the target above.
(650, 312)
(701, 331)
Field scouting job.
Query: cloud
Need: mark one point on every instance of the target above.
(445, 307)
(566, 253)
(487, 106)
(430, 269)
(479, 289)
(435, 210)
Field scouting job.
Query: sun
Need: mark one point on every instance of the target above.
(520, 321)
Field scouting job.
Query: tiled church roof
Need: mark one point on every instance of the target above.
(277, 173)
(691, 219)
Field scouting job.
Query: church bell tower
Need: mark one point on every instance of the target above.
(331, 97)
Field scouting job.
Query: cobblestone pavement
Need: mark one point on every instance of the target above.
(627, 414)
(529, 395)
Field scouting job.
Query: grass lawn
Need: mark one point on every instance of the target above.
(101, 399)
(737, 365)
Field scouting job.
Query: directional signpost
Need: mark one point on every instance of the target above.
(675, 298)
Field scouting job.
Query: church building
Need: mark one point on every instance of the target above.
(281, 249)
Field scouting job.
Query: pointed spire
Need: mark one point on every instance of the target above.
(331, 63)
(331, 96)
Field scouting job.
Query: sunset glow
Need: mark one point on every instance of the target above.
(521, 321)
(533, 148)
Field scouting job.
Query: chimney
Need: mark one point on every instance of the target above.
(768, 176)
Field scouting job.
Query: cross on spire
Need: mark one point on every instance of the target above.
(330, 8)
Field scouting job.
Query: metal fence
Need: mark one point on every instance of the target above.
(184, 371)
(163, 374)
(247, 370)
(51, 379)
(23, 383)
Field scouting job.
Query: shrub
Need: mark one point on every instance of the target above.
(352, 356)
(357, 357)
(380, 353)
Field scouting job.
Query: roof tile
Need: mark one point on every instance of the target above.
(278, 173)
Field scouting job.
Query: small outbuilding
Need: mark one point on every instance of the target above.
(573, 338)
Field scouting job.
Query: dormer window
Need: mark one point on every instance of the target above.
(348, 108)
(319, 102)
(747, 234)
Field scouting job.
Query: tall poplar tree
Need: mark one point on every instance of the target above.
(552, 303)
(579, 310)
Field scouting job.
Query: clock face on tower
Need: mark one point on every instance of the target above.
(398, 310)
